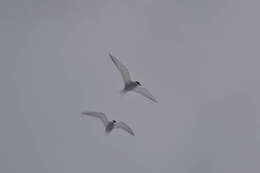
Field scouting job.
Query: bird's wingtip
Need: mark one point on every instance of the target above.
(84, 113)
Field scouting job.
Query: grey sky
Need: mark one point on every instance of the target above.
(200, 59)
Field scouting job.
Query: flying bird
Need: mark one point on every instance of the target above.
(131, 85)
(109, 125)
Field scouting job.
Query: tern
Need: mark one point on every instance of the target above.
(109, 125)
(129, 84)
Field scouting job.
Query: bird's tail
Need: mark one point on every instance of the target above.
(105, 133)
(122, 93)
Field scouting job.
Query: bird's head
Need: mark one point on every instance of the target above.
(114, 121)
(138, 83)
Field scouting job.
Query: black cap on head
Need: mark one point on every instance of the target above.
(138, 83)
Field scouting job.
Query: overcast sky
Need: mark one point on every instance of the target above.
(199, 58)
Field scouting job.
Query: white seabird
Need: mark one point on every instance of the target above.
(131, 85)
(109, 125)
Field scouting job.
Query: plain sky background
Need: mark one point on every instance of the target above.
(199, 58)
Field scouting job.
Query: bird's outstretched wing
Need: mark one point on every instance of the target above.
(143, 91)
(125, 127)
(99, 115)
(122, 69)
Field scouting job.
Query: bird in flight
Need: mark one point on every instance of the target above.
(131, 85)
(109, 125)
